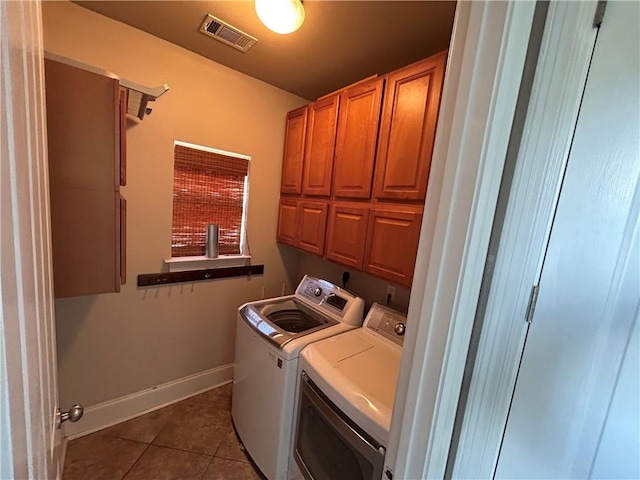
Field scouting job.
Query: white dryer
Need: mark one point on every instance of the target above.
(347, 389)
(269, 337)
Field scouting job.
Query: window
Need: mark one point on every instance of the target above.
(209, 186)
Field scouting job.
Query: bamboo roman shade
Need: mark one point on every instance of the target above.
(208, 188)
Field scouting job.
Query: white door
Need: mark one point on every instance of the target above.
(574, 412)
(29, 440)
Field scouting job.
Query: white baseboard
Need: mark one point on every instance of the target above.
(63, 457)
(106, 414)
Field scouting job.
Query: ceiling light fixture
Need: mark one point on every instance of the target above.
(280, 16)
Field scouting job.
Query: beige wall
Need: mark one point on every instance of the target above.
(117, 344)
(370, 288)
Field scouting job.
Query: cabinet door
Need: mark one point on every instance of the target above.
(407, 131)
(347, 233)
(288, 222)
(294, 141)
(320, 147)
(392, 243)
(84, 125)
(85, 232)
(313, 222)
(356, 139)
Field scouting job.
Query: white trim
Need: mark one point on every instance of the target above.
(555, 100)
(82, 66)
(485, 67)
(63, 456)
(118, 410)
(6, 447)
(211, 150)
(29, 442)
(244, 239)
(183, 264)
(138, 95)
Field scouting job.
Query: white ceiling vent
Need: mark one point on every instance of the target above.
(216, 28)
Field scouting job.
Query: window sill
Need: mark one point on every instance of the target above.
(184, 264)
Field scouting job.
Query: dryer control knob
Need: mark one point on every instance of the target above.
(399, 328)
(317, 292)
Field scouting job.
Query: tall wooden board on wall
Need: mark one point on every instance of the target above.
(86, 128)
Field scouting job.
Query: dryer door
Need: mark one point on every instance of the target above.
(329, 446)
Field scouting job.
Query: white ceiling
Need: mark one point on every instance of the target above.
(339, 43)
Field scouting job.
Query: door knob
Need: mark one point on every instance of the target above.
(73, 415)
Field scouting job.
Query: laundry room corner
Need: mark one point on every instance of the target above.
(112, 346)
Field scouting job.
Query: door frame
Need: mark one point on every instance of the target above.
(483, 74)
(561, 74)
(30, 441)
(482, 83)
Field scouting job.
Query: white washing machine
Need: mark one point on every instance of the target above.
(270, 335)
(346, 394)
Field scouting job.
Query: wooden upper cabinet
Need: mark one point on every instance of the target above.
(294, 142)
(320, 147)
(367, 154)
(347, 87)
(392, 243)
(347, 234)
(312, 226)
(86, 240)
(84, 125)
(407, 130)
(288, 222)
(86, 143)
(356, 139)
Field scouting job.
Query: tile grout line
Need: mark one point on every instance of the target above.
(227, 429)
(137, 460)
(149, 445)
(182, 450)
(206, 469)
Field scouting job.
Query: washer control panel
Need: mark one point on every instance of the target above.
(386, 322)
(326, 295)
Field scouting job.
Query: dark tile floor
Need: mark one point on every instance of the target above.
(192, 439)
